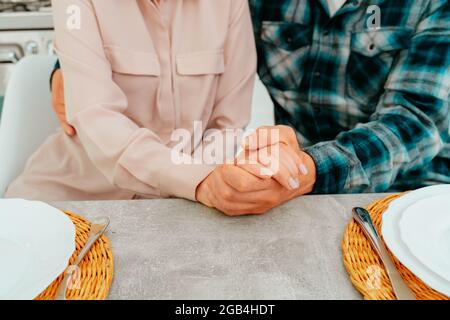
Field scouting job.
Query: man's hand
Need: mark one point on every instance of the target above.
(294, 166)
(58, 102)
(278, 161)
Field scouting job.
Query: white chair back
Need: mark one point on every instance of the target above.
(27, 118)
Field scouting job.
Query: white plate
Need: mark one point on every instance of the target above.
(36, 242)
(425, 229)
(392, 236)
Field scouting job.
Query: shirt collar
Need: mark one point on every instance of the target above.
(333, 6)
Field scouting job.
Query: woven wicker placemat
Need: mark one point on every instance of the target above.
(365, 268)
(95, 271)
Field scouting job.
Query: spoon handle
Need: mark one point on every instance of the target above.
(96, 231)
(401, 290)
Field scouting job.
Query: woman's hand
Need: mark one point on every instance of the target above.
(58, 102)
(273, 152)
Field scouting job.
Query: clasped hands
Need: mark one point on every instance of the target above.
(266, 174)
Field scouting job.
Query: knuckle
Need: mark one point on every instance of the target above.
(238, 186)
(260, 211)
(221, 169)
(228, 210)
(241, 185)
(228, 213)
(271, 200)
(288, 132)
(226, 194)
(223, 172)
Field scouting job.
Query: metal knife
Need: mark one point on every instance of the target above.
(401, 290)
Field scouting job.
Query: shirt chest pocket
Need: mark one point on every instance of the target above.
(201, 63)
(130, 62)
(197, 81)
(372, 56)
(284, 51)
(138, 75)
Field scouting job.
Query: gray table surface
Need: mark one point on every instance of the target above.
(176, 249)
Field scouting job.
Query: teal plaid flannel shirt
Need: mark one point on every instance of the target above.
(371, 106)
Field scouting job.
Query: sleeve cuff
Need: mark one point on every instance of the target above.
(56, 68)
(182, 180)
(332, 168)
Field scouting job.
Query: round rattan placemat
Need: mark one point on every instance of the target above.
(95, 271)
(364, 266)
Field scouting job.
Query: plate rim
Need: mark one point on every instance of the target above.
(397, 207)
(22, 292)
(402, 221)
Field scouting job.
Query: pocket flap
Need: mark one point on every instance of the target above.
(133, 62)
(372, 43)
(287, 35)
(200, 63)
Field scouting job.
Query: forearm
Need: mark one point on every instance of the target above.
(401, 137)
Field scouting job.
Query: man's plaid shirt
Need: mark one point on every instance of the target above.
(371, 106)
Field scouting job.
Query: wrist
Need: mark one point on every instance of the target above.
(309, 180)
(202, 193)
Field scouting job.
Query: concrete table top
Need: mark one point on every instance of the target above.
(176, 249)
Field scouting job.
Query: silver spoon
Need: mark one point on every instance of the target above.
(98, 227)
(401, 290)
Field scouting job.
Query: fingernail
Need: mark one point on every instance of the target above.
(294, 183)
(266, 172)
(303, 169)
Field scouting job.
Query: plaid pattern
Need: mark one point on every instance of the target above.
(370, 106)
